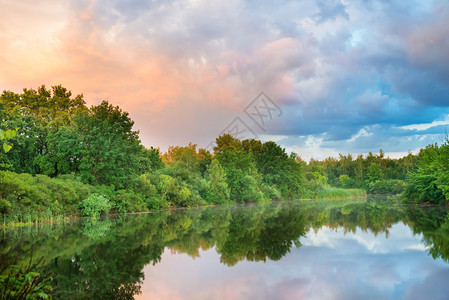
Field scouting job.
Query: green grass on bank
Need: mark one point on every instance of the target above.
(334, 193)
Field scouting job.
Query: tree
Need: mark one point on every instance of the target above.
(150, 160)
(64, 152)
(111, 149)
(35, 114)
(346, 181)
(374, 173)
(280, 170)
(166, 185)
(227, 142)
(271, 158)
(252, 145)
(237, 165)
(219, 188)
(430, 181)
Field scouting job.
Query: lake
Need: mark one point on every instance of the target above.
(352, 249)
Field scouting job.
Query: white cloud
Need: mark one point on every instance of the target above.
(425, 126)
(362, 132)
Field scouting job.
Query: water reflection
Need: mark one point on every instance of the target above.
(323, 249)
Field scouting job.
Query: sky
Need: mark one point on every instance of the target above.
(318, 77)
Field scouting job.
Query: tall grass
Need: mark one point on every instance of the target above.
(27, 217)
(334, 193)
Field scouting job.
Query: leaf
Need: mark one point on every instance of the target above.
(9, 134)
(6, 147)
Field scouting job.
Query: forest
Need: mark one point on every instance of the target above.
(60, 158)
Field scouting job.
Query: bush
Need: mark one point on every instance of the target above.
(94, 205)
(40, 193)
(127, 201)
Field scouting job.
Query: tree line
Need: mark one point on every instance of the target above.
(59, 156)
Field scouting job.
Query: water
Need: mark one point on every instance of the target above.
(354, 249)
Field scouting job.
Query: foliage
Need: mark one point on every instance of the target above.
(111, 150)
(387, 186)
(219, 189)
(24, 282)
(328, 192)
(94, 205)
(429, 183)
(5, 136)
(24, 192)
(128, 201)
(227, 142)
(374, 173)
(346, 181)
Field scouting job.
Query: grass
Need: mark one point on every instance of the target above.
(334, 193)
(21, 219)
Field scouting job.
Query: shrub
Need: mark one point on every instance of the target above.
(94, 205)
(127, 201)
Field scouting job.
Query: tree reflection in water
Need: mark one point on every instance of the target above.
(105, 259)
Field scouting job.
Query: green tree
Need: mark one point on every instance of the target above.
(374, 173)
(227, 142)
(430, 181)
(280, 170)
(219, 189)
(346, 181)
(237, 166)
(166, 185)
(111, 149)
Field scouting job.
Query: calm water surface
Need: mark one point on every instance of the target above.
(353, 249)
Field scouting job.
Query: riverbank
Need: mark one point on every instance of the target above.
(20, 219)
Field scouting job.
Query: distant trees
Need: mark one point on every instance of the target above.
(374, 173)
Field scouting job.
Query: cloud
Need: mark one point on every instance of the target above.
(362, 132)
(425, 126)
